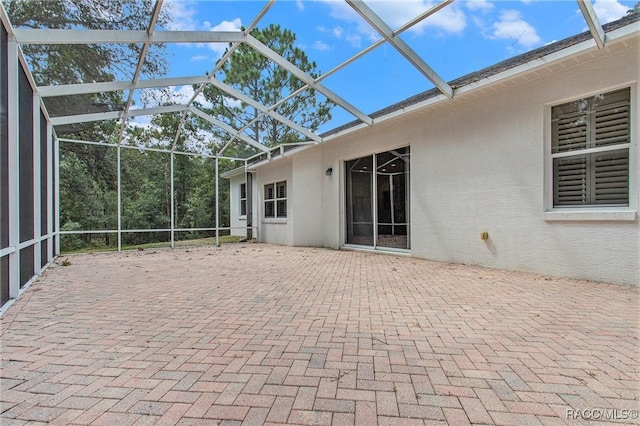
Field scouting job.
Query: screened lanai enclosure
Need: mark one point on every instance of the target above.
(98, 152)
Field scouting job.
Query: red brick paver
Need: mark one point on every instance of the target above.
(260, 334)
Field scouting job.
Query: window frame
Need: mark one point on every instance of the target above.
(592, 212)
(275, 200)
(243, 200)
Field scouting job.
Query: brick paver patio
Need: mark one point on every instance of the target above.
(262, 334)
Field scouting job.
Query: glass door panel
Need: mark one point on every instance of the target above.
(359, 180)
(392, 168)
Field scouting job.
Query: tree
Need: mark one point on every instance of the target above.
(266, 82)
(147, 181)
(66, 64)
(636, 9)
(69, 64)
(87, 202)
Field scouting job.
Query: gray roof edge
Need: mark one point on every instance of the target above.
(492, 70)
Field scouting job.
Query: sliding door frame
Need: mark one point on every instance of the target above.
(347, 191)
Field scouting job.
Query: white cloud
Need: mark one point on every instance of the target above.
(481, 5)
(451, 19)
(232, 102)
(235, 25)
(609, 10)
(352, 38)
(319, 45)
(511, 26)
(341, 10)
(300, 5)
(142, 121)
(183, 16)
(199, 58)
(183, 94)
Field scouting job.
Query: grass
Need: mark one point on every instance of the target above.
(95, 248)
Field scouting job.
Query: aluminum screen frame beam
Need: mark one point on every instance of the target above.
(141, 59)
(592, 22)
(352, 59)
(422, 16)
(82, 118)
(410, 55)
(217, 67)
(114, 115)
(257, 105)
(227, 128)
(54, 36)
(307, 79)
(115, 86)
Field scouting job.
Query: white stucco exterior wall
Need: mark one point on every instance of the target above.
(275, 231)
(478, 164)
(307, 188)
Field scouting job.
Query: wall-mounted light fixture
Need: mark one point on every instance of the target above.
(328, 171)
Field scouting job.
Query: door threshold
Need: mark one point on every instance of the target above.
(381, 250)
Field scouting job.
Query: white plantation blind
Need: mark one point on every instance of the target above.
(570, 131)
(281, 199)
(611, 181)
(275, 196)
(590, 151)
(281, 189)
(612, 125)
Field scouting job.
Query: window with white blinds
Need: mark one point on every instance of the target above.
(243, 199)
(275, 200)
(590, 151)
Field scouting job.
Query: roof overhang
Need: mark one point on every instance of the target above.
(234, 172)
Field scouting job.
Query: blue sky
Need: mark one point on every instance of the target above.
(464, 37)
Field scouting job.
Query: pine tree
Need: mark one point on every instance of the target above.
(266, 82)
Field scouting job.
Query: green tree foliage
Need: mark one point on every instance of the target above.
(255, 75)
(89, 173)
(70, 63)
(87, 192)
(146, 183)
(65, 64)
(636, 9)
(88, 187)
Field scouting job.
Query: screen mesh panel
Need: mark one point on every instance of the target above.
(26, 157)
(44, 176)
(4, 280)
(4, 143)
(27, 267)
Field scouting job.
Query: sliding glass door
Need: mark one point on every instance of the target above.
(377, 200)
